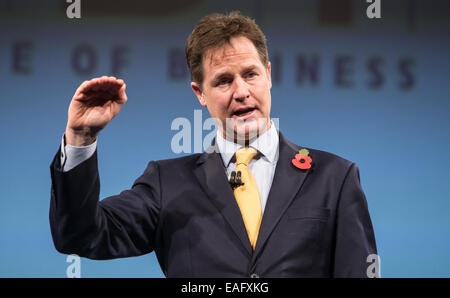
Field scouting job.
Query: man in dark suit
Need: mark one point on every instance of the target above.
(254, 204)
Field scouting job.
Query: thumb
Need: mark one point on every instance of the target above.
(122, 94)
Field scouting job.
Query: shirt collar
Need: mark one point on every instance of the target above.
(267, 144)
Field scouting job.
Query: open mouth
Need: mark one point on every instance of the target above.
(243, 112)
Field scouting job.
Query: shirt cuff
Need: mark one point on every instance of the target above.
(72, 156)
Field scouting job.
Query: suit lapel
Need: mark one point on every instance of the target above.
(210, 172)
(286, 183)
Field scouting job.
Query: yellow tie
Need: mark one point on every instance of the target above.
(247, 195)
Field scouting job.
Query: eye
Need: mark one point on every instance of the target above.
(251, 75)
(223, 81)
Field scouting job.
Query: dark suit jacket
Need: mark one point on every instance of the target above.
(316, 222)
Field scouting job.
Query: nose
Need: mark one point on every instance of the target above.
(241, 90)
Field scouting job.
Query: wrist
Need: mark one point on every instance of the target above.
(79, 138)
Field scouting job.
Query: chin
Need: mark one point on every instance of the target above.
(247, 130)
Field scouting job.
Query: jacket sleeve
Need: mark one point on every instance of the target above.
(354, 239)
(119, 226)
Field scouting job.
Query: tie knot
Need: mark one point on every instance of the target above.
(245, 155)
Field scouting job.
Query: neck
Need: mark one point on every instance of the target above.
(233, 136)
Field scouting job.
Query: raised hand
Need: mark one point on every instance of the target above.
(95, 103)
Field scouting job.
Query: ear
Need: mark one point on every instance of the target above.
(198, 92)
(269, 71)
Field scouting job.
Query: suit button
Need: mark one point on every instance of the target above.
(254, 275)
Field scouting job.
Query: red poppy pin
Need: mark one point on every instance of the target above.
(302, 160)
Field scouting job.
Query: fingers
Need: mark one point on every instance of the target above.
(102, 83)
(109, 84)
(105, 84)
(122, 95)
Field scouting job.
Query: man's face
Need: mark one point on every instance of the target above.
(236, 86)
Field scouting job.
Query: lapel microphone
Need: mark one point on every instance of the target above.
(235, 179)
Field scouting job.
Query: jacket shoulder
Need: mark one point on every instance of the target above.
(320, 156)
(327, 161)
(179, 162)
(328, 157)
(328, 164)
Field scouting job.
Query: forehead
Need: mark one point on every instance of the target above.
(238, 52)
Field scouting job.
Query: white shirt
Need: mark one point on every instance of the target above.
(71, 156)
(262, 166)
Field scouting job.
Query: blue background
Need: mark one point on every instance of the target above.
(398, 136)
